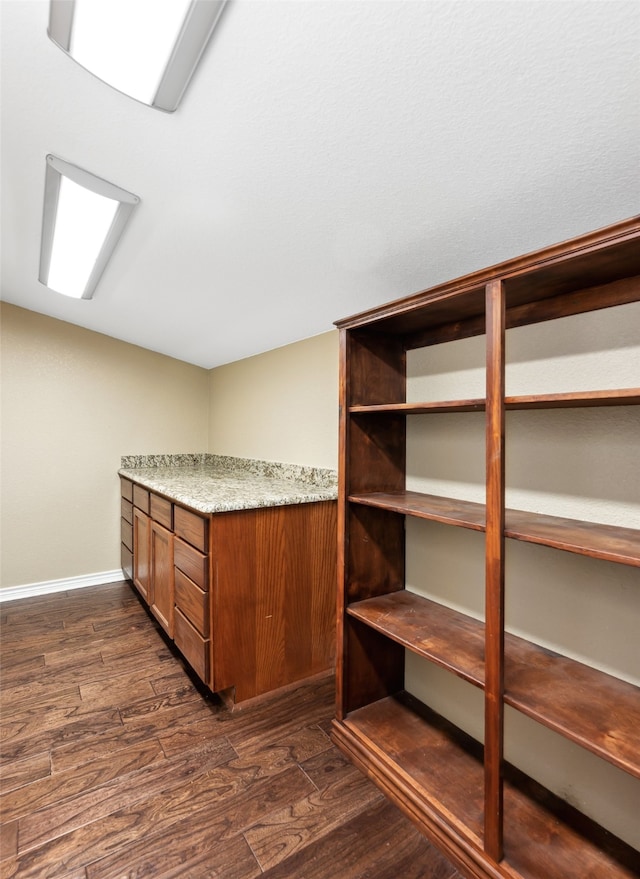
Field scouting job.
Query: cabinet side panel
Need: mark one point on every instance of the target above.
(233, 600)
(371, 551)
(376, 450)
(375, 560)
(375, 666)
(274, 596)
(376, 368)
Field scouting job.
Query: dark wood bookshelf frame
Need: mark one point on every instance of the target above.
(487, 827)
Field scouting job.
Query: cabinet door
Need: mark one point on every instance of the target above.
(141, 553)
(161, 576)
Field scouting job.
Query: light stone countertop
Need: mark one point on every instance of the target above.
(215, 483)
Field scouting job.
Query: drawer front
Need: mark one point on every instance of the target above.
(192, 645)
(191, 527)
(126, 510)
(161, 511)
(141, 498)
(126, 489)
(126, 534)
(126, 561)
(193, 602)
(192, 563)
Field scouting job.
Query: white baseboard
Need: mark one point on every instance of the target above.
(48, 587)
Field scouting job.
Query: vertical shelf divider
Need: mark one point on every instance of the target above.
(343, 530)
(494, 576)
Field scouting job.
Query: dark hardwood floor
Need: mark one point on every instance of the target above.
(115, 765)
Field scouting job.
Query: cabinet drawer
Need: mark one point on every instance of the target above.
(126, 510)
(191, 527)
(192, 645)
(141, 498)
(161, 511)
(193, 602)
(126, 561)
(126, 533)
(126, 489)
(192, 563)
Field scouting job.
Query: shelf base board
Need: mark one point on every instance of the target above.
(466, 857)
(550, 849)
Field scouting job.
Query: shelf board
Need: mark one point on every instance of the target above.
(465, 514)
(441, 763)
(473, 405)
(596, 710)
(575, 400)
(447, 638)
(608, 542)
(591, 708)
(434, 772)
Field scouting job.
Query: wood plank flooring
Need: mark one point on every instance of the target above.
(116, 765)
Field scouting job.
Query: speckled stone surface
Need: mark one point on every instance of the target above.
(218, 483)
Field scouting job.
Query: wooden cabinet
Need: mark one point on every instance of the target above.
(248, 597)
(485, 814)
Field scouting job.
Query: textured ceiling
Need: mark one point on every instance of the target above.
(327, 157)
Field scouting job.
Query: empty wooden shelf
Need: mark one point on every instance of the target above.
(488, 816)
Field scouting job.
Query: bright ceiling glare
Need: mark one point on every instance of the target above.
(83, 219)
(145, 49)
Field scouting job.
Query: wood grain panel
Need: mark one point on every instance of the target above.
(192, 645)
(273, 608)
(141, 498)
(161, 576)
(193, 602)
(191, 527)
(161, 510)
(126, 533)
(126, 561)
(191, 562)
(141, 549)
(126, 510)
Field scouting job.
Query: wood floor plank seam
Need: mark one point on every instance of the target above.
(122, 766)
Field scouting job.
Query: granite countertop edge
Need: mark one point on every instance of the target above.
(218, 483)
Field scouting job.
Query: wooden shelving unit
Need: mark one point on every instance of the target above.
(486, 815)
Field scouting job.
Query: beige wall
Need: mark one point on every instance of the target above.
(279, 406)
(73, 402)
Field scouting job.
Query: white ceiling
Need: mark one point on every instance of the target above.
(327, 157)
